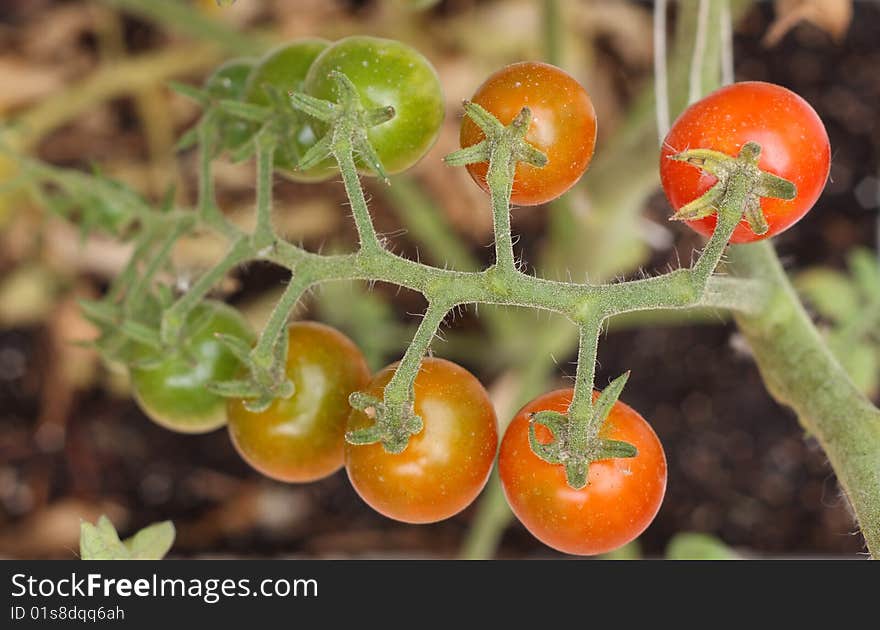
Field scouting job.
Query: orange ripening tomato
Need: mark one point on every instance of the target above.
(563, 127)
(301, 438)
(618, 503)
(794, 146)
(444, 467)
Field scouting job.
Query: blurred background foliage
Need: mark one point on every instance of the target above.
(83, 83)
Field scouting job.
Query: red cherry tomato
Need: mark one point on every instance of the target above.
(445, 466)
(301, 438)
(622, 496)
(563, 127)
(792, 137)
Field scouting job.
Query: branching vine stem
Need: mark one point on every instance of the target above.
(347, 121)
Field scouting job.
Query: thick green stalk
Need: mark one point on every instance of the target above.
(800, 371)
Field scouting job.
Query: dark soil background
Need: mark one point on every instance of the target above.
(740, 467)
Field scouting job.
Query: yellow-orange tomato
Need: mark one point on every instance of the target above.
(620, 500)
(301, 438)
(563, 127)
(445, 466)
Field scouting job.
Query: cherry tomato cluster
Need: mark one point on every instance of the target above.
(384, 72)
(302, 438)
(446, 464)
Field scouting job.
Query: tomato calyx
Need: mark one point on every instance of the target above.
(575, 441)
(394, 422)
(726, 168)
(265, 383)
(505, 143)
(348, 121)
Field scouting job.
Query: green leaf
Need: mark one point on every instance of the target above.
(862, 362)
(101, 542)
(865, 268)
(152, 542)
(695, 546)
(630, 551)
(830, 292)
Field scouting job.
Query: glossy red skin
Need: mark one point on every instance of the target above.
(301, 438)
(563, 127)
(444, 467)
(792, 137)
(622, 496)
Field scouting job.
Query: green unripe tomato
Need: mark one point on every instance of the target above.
(228, 82)
(386, 72)
(172, 389)
(284, 68)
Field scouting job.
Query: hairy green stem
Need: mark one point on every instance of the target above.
(400, 388)
(264, 234)
(500, 180)
(174, 318)
(344, 153)
(801, 372)
(143, 243)
(207, 207)
(580, 411)
(140, 283)
(273, 332)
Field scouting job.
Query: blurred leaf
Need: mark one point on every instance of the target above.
(831, 293)
(695, 546)
(152, 542)
(865, 268)
(365, 316)
(630, 551)
(862, 362)
(101, 542)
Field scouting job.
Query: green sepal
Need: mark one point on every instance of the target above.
(191, 92)
(615, 449)
(393, 424)
(99, 311)
(324, 111)
(607, 399)
(701, 207)
(489, 124)
(141, 333)
(254, 113)
(770, 185)
(557, 424)
(473, 154)
(316, 154)
(754, 216)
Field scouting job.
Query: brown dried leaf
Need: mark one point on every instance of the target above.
(22, 82)
(831, 16)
